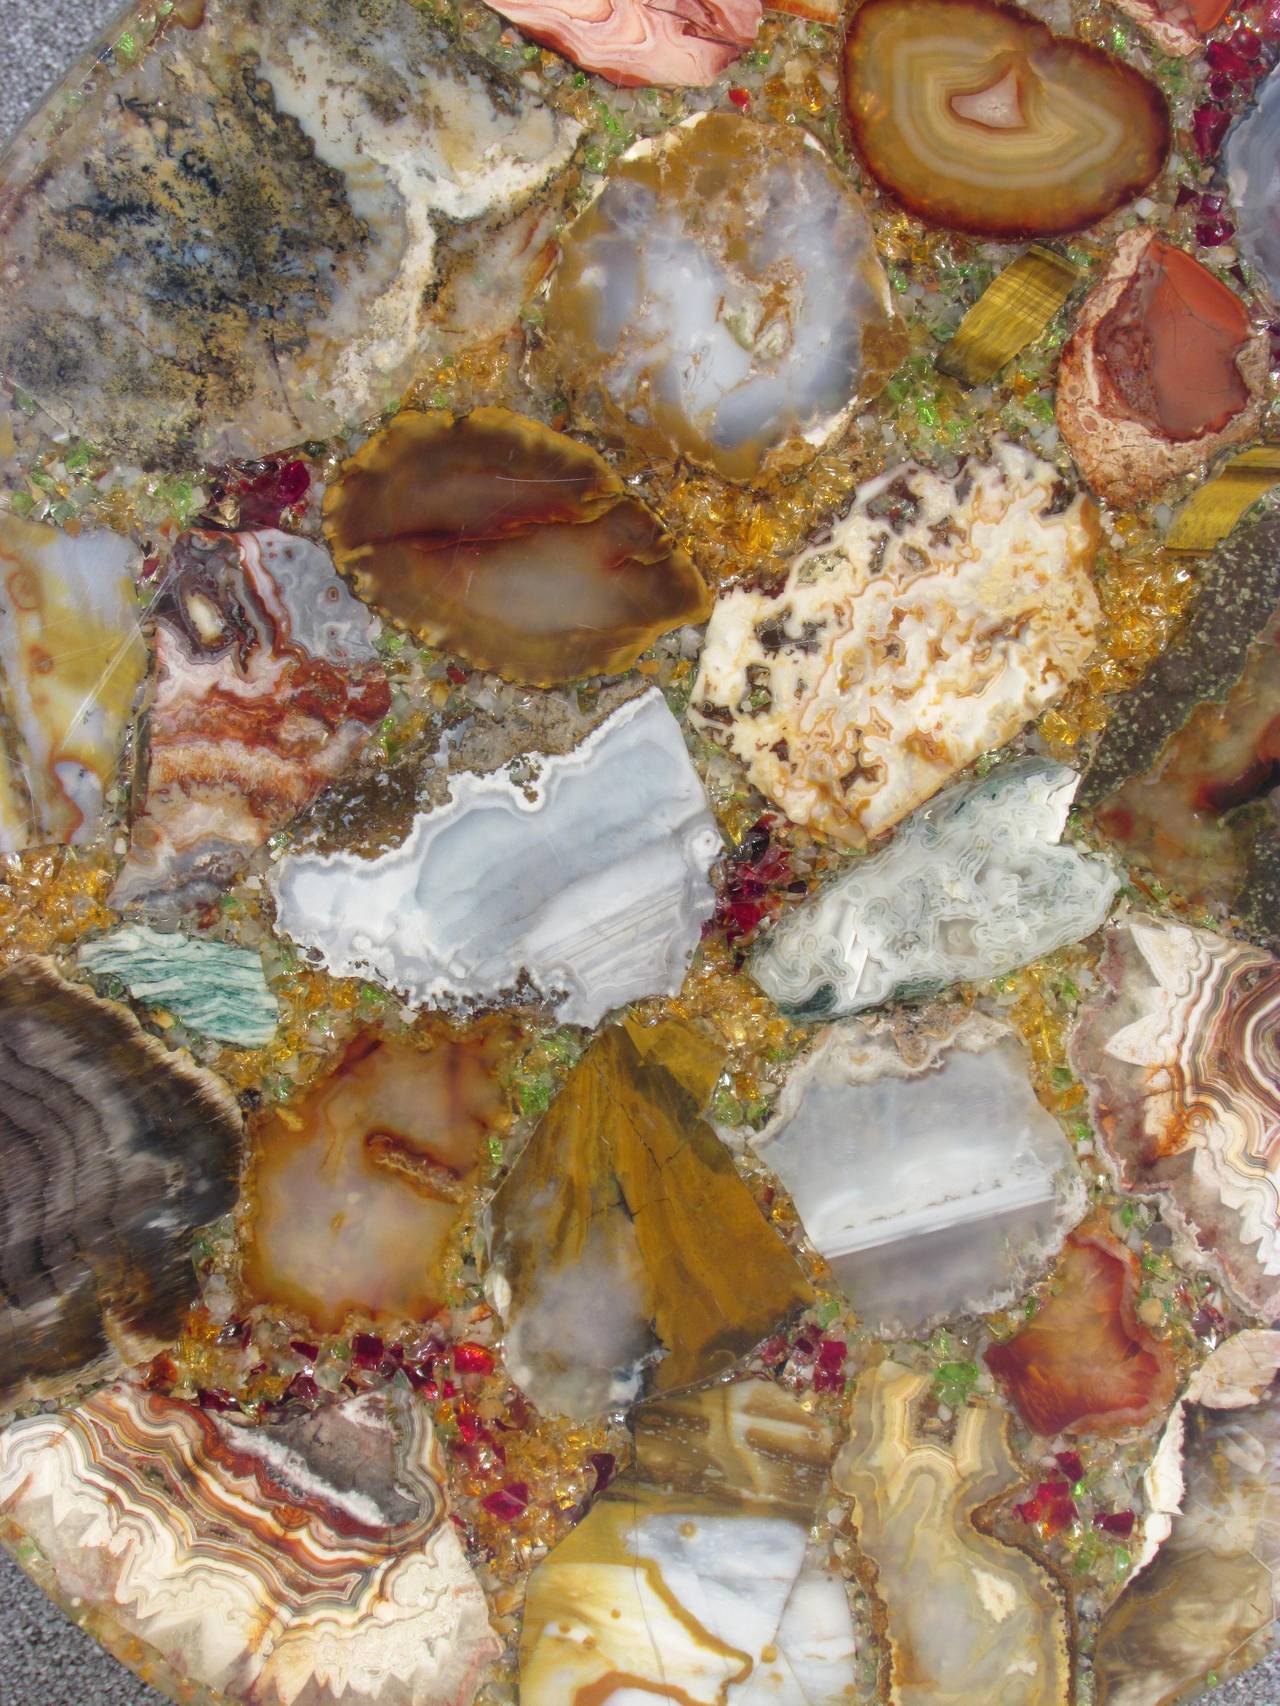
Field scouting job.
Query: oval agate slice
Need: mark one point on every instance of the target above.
(975, 116)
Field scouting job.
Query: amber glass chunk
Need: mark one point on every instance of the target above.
(975, 116)
(355, 1186)
(1086, 1364)
(516, 547)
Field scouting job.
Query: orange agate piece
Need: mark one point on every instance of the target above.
(976, 117)
(1163, 370)
(516, 547)
(1086, 1364)
(355, 1186)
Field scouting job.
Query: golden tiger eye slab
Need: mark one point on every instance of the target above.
(113, 1151)
(354, 1187)
(1010, 314)
(625, 1251)
(968, 1617)
(975, 117)
(690, 1579)
(301, 1563)
(1212, 511)
(508, 543)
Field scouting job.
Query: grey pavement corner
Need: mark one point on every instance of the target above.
(44, 1659)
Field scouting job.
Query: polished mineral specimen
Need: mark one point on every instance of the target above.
(972, 887)
(235, 242)
(895, 1139)
(691, 1578)
(115, 1150)
(640, 41)
(625, 1252)
(1205, 1606)
(1192, 742)
(594, 881)
(1177, 26)
(214, 987)
(1205, 807)
(968, 1617)
(1013, 311)
(974, 116)
(1085, 1363)
(353, 1187)
(1179, 1051)
(295, 1564)
(1162, 372)
(722, 299)
(508, 543)
(1252, 163)
(72, 658)
(939, 618)
(267, 687)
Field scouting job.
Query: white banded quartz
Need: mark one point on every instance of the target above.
(591, 885)
(891, 1142)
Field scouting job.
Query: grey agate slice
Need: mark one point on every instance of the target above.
(895, 1137)
(1252, 161)
(974, 885)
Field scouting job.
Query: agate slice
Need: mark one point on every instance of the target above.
(214, 987)
(975, 117)
(73, 657)
(1252, 161)
(115, 1151)
(594, 881)
(1179, 1049)
(894, 1139)
(295, 1564)
(274, 276)
(974, 886)
(625, 1251)
(508, 543)
(968, 1618)
(692, 1578)
(353, 1188)
(939, 618)
(1204, 1608)
(1162, 371)
(640, 41)
(722, 298)
(267, 686)
(1085, 1364)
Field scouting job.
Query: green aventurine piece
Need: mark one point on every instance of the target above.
(214, 987)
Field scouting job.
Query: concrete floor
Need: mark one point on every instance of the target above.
(44, 1660)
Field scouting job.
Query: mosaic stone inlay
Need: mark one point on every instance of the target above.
(640, 851)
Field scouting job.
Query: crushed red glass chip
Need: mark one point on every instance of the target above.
(305, 1349)
(1050, 1507)
(469, 1358)
(509, 1502)
(303, 1386)
(741, 98)
(214, 1398)
(1114, 1522)
(1070, 1465)
(1208, 127)
(367, 1350)
(605, 1465)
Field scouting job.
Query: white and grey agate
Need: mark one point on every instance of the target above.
(591, 887)
(974, 885)
(1252, 160)
(933, 1141)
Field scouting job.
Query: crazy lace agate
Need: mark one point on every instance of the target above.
(640, 851)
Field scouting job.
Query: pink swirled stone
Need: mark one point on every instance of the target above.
(681, 44)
